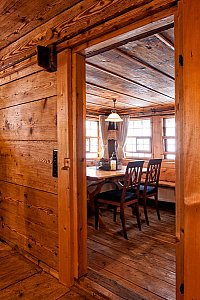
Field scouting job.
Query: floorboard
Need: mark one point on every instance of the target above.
(142, 267)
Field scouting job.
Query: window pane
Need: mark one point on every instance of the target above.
(92, 141)
(131, 144)
(92, 128)
(93, 145)
(143, 145)
(136, 146)
(170, 145)
(169, 126)
(139, 128)
(170, 156)
(87, 144)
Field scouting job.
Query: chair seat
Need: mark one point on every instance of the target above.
(115, 195)
(150, 189)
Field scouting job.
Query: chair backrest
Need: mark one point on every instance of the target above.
(132, 178)
(153, 172)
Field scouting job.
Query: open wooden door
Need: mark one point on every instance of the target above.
(188, 153)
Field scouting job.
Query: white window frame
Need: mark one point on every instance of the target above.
(90, 137)
(127, 153)
(167, 137)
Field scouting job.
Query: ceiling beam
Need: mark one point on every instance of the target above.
(132, 36)
(108, 98)
(165, 40)
(150, 111)
(124, 94)
(126, 79)
(143, 63)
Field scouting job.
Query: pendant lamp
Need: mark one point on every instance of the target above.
(114, 117)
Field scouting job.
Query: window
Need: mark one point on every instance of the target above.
(92, 139)
(138, 142)
(169, 142)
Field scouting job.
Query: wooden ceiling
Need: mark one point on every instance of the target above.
(139, 74)
(19, 17)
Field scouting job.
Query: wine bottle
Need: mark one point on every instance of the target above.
(113, 162)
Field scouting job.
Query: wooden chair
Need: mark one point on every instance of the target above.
(124, 197)
(150, 187)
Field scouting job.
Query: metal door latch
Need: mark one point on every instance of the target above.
(66, 164)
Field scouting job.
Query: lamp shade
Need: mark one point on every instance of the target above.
(113, 117)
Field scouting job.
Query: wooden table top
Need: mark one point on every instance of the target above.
(94, 174)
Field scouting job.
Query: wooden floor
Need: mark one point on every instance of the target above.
(22, 279)
(141, 268)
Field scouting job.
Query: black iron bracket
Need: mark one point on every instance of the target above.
(47, 57)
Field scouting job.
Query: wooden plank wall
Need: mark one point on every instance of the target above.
(82, 22)
(28, 134)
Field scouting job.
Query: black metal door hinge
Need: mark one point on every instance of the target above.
(180, 60)
(182, 288)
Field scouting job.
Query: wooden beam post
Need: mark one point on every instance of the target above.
(79, 133)
(67, 198)
(188, 80)
(157, 142)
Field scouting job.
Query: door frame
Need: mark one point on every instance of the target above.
(75, 97)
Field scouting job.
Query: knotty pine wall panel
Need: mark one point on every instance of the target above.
(82, 22)
(28, 135)
(30, 121)
(28, 163)
(29, 88)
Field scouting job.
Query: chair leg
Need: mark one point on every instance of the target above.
(133, 210)
(122, 216)
(157, 207)
(115, 214)
(96, 215)
(137, 212)
(145, 211)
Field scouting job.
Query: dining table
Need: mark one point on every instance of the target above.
(98, 178)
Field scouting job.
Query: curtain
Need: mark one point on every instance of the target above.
(121, 136)
(103, 125)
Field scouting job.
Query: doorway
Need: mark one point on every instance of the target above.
(142, 80)
(79, 53)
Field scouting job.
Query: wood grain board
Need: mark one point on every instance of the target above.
(31, 121)
(137, 74)
(34, 157)
(21, 278)
(29, 88)
(141, 76)
(80, 18)
(142, 267)
(25, 16)
(28, 132)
